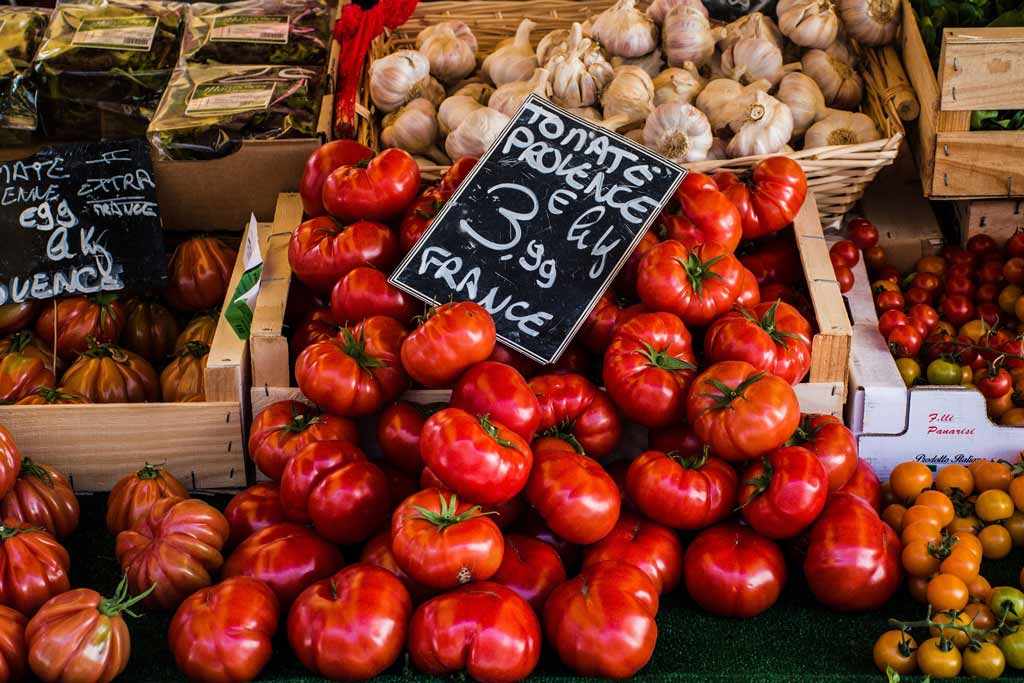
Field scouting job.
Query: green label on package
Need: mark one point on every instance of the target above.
(253, 28)
(216, 99)
(116, 33)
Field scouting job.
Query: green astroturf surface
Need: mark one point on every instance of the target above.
(794, 641)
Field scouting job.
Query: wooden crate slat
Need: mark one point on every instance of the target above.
(1000, 219)
(982, 68)
(979, 164)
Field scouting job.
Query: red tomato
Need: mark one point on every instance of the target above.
(847, 251)
(483, 628)
(351, 626)
(78, 318)
(990, 272)
(418, 215)
(602, 622)
(200, 271)
(398, 435)
(224, 633)
(732, 571)
(16, 317)
(773, 337)
(982, 244)
(775, 261)
(648, 367)
(1015, 245)
(284, 428)
(442, 542)
(531, 568)
(905, 341)
(625, 282)
(784, 492)
(322, 163)
(1013, 270)
(706, 215)
(375, 191)
(150, 329)
(989, 312)
(988, 293)
(863, 233)
(958, 309)
(741, 413)
(357, 373)
(44, 396)
(832, 443)
(959, 285)
(286, 557)
(890, 320)
(838, 261)
(13, 651)
(697, 285)
(574, 360)
(683, 492)
(600, 324)
(34, 567)
(10, 461)
(573, 409)
(650, 547)
(321, 251)
(864, 484)
(888, 301)
(498, 390)
(377, 551)
(750, 291)
(43, 498)
(133, 496)
(916, 296)
(991, 382)
(770, 200)
(844, 276)
(926, 314)
(365, 292)
(252, 510)
(453, 338)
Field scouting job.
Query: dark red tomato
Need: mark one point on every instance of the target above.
(134, 494)
(650, 547)
(847, 251)
(601, 623)
(706, 215)
(955, 285)
(990, 272)
(321, 164)
(957, 256)
(199, 274)
(921, 327)
(988, 292)
(1013, 270)
(889, 300)
(749, 292)
(365, 292)
(22, 371)
(770, 200)
(359, 372)
(993, 382)
(1013, 347)
(682, 492)
(33, 567)
(888, 272)
(321, 251)
(252, 510)
(456, 173)
(732, 571)
(989, 312)
(351, 626)
(782, 494)
(42, 497)
(992, 343)
(925, 280)
(845, 278)
(677, 438)
(286, 557)
(599, 326)
(625, 282)
(17, 317)
(853, 557)
(864, 484)
(905, 341)
(648, 368)
(498, 390)
(284, 428)
(916, 296)
(863, 233)
(981, 245)
(958, 309)
(377, 551)
(378, 190)
(573, 409)
(773, 337)
(484, 629)
(960, 271)
(838, 261)
(890, 320)
(454, 337)
(13, 651)
(531, 568)
(150, 329)
(698, 284)
(526, 367)
(874, 258)
(418, 216)
(318, 325)
(832, 443)
(398, 435)
(774, 261)
(1015, 245)
(924, 313)
(78, 318)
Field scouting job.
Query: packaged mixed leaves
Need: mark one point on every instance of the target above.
(21, 29)
(259, 32)
(106, 56)
(207, 111)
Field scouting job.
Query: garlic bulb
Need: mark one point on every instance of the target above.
(450, 47)
(808, 23)
(475, 134)
(453, 110)
(588, 113)
(753, 59)
(579, 75)
(398, 78)
(678, 85)
(481, 92)
(717, 150)
(763, 126)
(512, 61)
(412, 128)
(687, 37)
(508, 98)
(840, 50)
(433, 91)
(841, 85)
(630, 94)
(678, 131)
(553, 44)
(659, 8)
(721, 99)
(624, 30)
(841, 128)
(801, 94)
(652, 63)
(871, 22)
(753, 25)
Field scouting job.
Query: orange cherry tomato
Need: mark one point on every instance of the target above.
(969, 524)
(939, 659)
(898, 650)
(979, 613)
(1015, 525)
(995, 541)
(994, 505)
(918, 559)
(922, 513)
(961, 562)
(954, 478)
(989, 474)
(1017, 492)
(893, 516)
(968, 540)
(959, 638)
(939, 502)
(947, 592)
(924, 530)
(908, 479)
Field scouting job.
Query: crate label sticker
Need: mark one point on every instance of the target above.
(116, 33)
(215, 99)
(243, 299)
(254, 28)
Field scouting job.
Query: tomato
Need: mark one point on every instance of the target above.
(454, 337)
(10, 461)
(984, 661)
(845, 278)
(186, 374)
(625, 282)
(896, 649)
(224, 632)
(201, 329)
(78, 318)
(981, 245)
(526, 367)
(199, 274)
(698, 284)
(377, 551)
(952, 479)
(905, 341)
(351, 626)
(749, 291)
(783, 493)
(150, 329)
(847, 251)
(772, 197)
(994, 505)
(774, 261)
(599, 325)
(45, 396)
(993, 382)
(732, 571)
(109, 374)
(321, 251)
(988, 294)
(650, 547)
(42, 497)
(862, 232)
(910, 370)
(16, 317)
(321, 163)
(398, 435)
(926, 314)
(939, 658)
(874, 258)
(601, 623)
(365, 292)
(741, 413)
(573, 409)
(773, 337)
(1007, 601)
(252, 510)
(943, 372)
(909, 479)
(832, 443)
(499, 391)
(286, 557)
(34, 567)
(13, 660)
(863, 484)
(996, 541)
(483, 628)
(706, 215)
(890, 301)
(1007, 298)
(284, 428)
(418, 216)
(679, 438)
(853, 557)
(683, 492)
(357, 373)
(957, 308)
(319, 324)
(377, 190)
(530, 568)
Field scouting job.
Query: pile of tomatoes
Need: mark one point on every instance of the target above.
(111, 348)
(845, 254)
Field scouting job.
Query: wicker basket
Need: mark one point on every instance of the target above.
(838, 174)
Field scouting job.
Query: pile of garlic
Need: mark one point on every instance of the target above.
(664, 76)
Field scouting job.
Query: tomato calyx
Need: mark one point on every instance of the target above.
(149, 471)
(447, 516)
(492, 431)
(726, 396)
(563, 431)
(31, 469)
(20, 340)
(51, 395)
(435, 206)
(663, 360)
(104, 301)
(690, 462)
(100, 350)
(698, 270)
(8, 532)
(804, 433)
(300, 422)
(767, 323)
(121, 601)
(760, 482)
(356, 349)
(196, 349)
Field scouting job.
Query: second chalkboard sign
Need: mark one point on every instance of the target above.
(540, 227)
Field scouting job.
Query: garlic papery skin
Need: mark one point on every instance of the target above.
(481, 92)
(841, 85)
(412, 128)
(808, 23)
(687, 37)
(841, 128)
(475, 134)
(630, 95)
(580, 75)
(801, 94)
(432, 90)
(625, 31)
(659, 9)
(764, 126)
(588, 113)
(398, 78)
(678, 131)
(450, 47)
(678, 85)
(717, 150)
(753, 25)
(453, 110)
(553, 44)
(871, 22)
(508, 98)
(754, 59)
(652, 63)
(722, 99)
(514, 60)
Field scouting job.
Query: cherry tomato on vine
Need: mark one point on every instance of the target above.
(896, 649)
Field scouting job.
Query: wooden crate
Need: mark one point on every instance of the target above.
(997, 218)
(202, 444)
(979, 68)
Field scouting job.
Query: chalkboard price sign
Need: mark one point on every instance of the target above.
(540, 227)
(79, 219)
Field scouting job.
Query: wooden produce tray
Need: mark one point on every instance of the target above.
(997, 218)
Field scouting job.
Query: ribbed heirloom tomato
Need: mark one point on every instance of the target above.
(321, 251)
(531, 568)
(14, 317)
(374, 190)
(650, 547)
(284, 428)
(200, 271)
(421, 212)
(109, 374)
(773, 337)
(133, 496)
(42, 497)
(321, 164)
(706, 215)
(13, 659)
(21, 374)
(252, 510)
(398, 435)
(150, 329)
(10, 461)
(365, 292)
(783, 492)
(600, 324)
(833, 444)
(682, 491)
(454, 337)
(78, 318)
(770, 200)
(499, 391)
(575, 410)
(698, 284)
(34, 567)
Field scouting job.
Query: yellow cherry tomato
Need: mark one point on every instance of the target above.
(939, 659)
(910, 370)
(896, 649)
(1008, 296)
(974, 330)
(995, 541)
(994, 505)
(984, 661)
(954, 478)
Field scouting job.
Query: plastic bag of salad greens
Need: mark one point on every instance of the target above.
(21, 29)
(106, 56)
(207, 111)
(258, 32)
